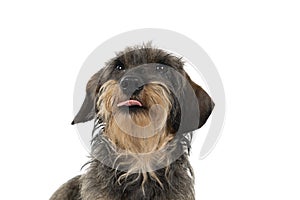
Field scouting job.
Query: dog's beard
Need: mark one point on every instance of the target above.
(139, 138)
(143, 130)
(138, 144)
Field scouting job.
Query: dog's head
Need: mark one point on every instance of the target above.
(145, 98)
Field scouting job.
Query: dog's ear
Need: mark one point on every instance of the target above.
(195, 107)
(205, 103)
(87, 110)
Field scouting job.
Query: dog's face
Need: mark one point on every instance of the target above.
(145, 98)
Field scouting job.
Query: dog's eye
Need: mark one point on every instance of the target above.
(120, 66)
(161, 68)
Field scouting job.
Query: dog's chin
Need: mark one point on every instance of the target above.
(132, 109)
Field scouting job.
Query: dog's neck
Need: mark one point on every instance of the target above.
(123, 175)
(138, 142)
(102, 181)
(125, 152)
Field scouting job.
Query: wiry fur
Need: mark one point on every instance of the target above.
(141, 124)
(151, 162)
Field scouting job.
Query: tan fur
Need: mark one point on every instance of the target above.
(141, 132)
(137, 134)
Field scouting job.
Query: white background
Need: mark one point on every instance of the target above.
(254, 44)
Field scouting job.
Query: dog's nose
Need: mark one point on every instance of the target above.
(131, 84)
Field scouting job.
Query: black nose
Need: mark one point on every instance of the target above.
(131, 84)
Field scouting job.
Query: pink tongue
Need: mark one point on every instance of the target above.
(130, 103)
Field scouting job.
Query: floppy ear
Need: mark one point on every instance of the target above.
(87, 110)
(195, 107)
(205, 103)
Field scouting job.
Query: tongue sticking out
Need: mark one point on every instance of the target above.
(130, 103)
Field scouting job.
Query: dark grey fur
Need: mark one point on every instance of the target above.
(100, 181)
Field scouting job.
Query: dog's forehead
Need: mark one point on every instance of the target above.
(135, 57)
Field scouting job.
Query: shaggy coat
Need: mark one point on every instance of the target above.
(145, 108)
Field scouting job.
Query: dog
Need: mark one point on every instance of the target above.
(145, 108)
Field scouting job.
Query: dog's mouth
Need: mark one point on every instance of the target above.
(131, 104)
